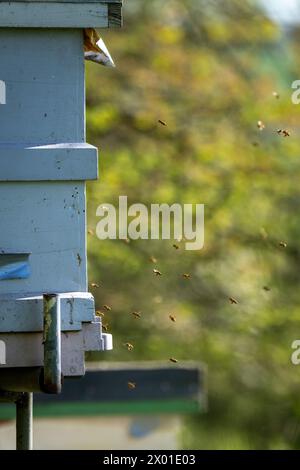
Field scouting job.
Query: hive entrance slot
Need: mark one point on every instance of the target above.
(14, 266)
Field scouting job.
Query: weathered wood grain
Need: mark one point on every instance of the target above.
(25, 314)
(27, 349)
(64, 162)
(114, 15)
(61, 14)
(64, 1)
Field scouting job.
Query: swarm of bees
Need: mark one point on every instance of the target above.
(187, 276)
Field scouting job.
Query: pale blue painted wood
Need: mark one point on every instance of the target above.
(26, 349)
(48, 220)
(53, 15)
(45, 96)
(25, 314)
(44, 162)
(2, 92)
(44, 75)
(62, 162)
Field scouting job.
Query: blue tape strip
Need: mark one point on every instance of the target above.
(19, 270)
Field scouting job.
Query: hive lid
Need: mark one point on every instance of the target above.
(61, 14)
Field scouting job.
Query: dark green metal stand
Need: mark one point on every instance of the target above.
(24, 421)
(52, 344)
(23, 403)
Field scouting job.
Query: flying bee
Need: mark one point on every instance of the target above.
(276, 95)
(267, 288)
(99, 313)
(79, 259)
(157, 272)
(95, 285)
(107, 307)
(175, 246)
(90, 231)
(153, 260)
(131, 385)
(163, 123)
(126, 240)
(233, 301)
(260, 125)
(136, 314)
(186, 276)
(129, 346)
(283, 244)
(263, 233)
(105, 327)
(172, 359)
(283, 132)
(172, 318)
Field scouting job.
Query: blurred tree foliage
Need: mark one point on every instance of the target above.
(209, 69)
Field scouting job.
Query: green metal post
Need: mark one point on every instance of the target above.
(24, 421)
(52, 344)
